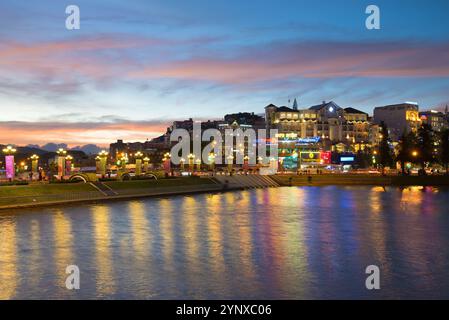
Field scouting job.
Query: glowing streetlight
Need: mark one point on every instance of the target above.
(198, 164)
(68, 164)
(182, 163)
(211, 160)
(34, 163)
(61, 152)
(230, 159)
(245, 162)
(415, 153)
(9, 150)
(61, 161)
(191, 158)
(146, 164)
(138, 156)
(167, 162)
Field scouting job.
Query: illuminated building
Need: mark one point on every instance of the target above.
(399, 118)
(326, 120)
(435, 119)
(317, 129)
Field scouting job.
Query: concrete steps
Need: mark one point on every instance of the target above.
(247, 181)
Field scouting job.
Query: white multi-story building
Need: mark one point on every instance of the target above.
(399, 118)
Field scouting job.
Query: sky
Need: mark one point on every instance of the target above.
(135, 66)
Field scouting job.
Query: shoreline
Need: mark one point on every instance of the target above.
(214, 188)
(166, 193)
(360, 180)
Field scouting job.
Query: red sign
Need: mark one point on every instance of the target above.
(326, 157)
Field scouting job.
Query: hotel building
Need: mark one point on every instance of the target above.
(399, 118)
(317, 129)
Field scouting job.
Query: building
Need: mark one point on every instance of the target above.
(317, 130)
(154, 149)
(327, 121)
(246, 118)
(399, 118)
(435, 119)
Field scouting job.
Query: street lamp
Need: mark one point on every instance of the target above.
(97, 164)
(167, 162)
(138, 156)
(9, 150)
(61, 161)
(34, 163)
(211, 159)
(102, 160)
(245, 162)
(191, 158)
(198, 164)
(182, 163)
(146, 162)
(415, 153)
(230, 162)
(68, 162)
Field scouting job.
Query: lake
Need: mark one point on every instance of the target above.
(277, 243)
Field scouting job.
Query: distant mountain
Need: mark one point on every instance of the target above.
(30, 149)
(88, 149)
(53, 147)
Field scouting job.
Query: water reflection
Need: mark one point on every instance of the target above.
(8, 259)
(311, 242)
(104, 266)
(63, 239)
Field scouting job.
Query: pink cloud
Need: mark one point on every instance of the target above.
(311, 60)
(101, 133)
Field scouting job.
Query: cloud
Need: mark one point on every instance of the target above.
(286, 60)
(76, 133)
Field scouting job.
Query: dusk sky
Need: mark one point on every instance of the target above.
(135, 66)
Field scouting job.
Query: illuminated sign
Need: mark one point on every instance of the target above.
(347, 159)
(326, 157)
(308, 140)
(311, 156)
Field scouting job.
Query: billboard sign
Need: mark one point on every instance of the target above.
(310, 156)
(326, 157)
(347, 159)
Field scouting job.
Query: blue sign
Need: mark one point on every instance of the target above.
(308, 140)
(347, 159)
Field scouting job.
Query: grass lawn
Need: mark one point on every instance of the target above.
(10, 195)
(34, 193)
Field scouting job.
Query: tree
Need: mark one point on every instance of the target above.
(385, 154)
(405, 146)
(425, 145)
(444, 149)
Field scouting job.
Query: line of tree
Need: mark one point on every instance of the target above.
(385, 151)
(425, 147)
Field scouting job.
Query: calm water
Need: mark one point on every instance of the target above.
(290, 243)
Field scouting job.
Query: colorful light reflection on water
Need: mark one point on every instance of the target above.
(289, 243)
